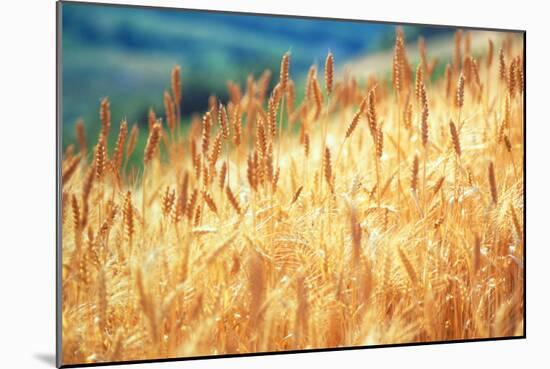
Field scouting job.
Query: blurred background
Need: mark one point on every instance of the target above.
(126, 54)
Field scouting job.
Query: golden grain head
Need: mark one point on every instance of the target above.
(329, 73)
(284, 73)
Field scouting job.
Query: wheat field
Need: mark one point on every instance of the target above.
(377, 210)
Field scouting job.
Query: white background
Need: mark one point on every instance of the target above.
(27, 182)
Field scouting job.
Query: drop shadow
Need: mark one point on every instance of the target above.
(46, 358)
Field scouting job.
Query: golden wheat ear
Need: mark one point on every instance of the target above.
(105, 117)
(425, 127)
(152, 142)
(493, 183)
(81, 137)
(233, 200)
(176, 84)
(414, 175)
(284, 71)
(329, 73)
(455, 138)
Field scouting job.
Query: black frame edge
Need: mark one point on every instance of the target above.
(525, 185)
(290, 352)
(58, 146)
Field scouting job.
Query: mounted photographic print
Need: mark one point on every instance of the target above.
(237, 184)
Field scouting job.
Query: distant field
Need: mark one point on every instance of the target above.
(123, 54)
